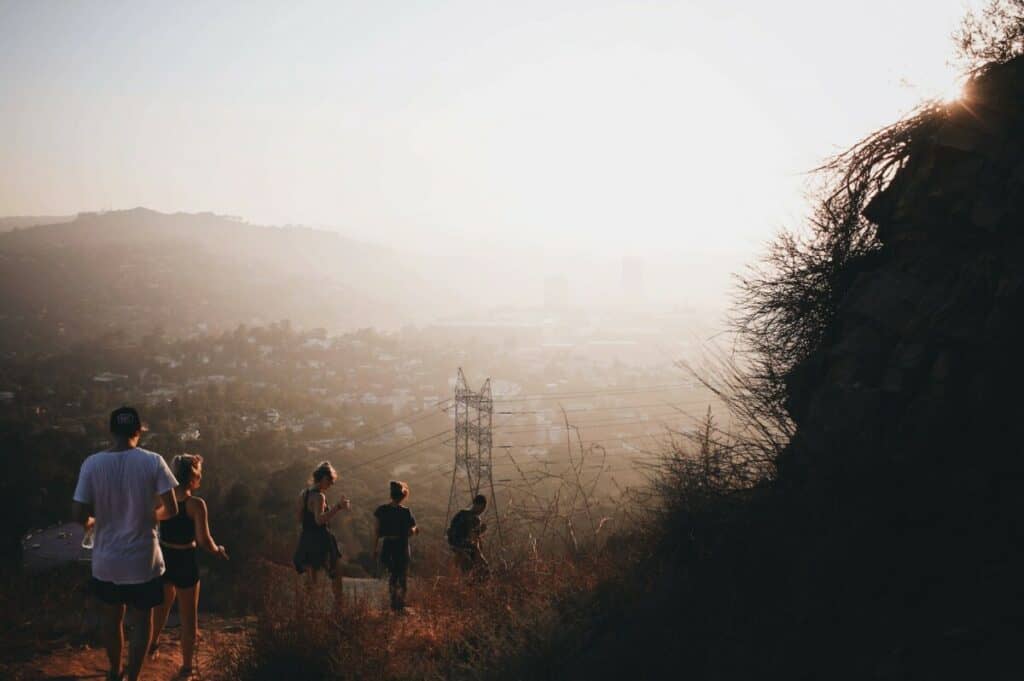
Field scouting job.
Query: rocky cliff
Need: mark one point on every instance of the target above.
(909, 450)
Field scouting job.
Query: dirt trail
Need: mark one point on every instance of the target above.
(69, 662)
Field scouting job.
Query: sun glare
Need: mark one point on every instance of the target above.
(953, 91)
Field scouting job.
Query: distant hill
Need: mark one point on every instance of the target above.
(23, 221)
(130, 271)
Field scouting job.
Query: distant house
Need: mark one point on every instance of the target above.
(108, 377)
(316, 421)
(331, 443)
(159, 395)
(70, 426)
(190, 434)
(404, 432)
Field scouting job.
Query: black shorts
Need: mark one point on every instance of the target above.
(182, 570)
(139, 596)
(394, 555)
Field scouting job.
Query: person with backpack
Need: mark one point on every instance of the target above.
(465, 539)
(395, 524)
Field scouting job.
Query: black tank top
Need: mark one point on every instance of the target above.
(180, 529)
(308, 519)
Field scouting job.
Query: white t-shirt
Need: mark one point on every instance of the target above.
(122, 487)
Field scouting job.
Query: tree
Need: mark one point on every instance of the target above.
(993, 35)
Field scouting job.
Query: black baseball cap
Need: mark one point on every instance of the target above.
(125, 421)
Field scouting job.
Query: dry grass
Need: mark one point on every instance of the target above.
(455, 629)
(37, 609)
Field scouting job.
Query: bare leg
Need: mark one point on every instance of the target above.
(188, 606)
(140, 626)
(113, 635)
(160, 614)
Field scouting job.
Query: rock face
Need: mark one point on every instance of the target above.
(910, 416)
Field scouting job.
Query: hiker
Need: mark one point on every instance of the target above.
(464, 537)
(179, 536)
(114, 499)
(318, 549)
(395, 524)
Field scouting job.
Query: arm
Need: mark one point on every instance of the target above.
(81, 504)
(168, 506)
(163, 511)
(323, 514)
(376, 534)
(164, 483)
(83, 513)
(202, 524)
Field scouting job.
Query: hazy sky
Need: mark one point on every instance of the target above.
(605, 127)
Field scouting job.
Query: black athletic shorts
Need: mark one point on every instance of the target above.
(139, 596)
(182, 570)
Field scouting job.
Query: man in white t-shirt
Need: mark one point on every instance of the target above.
(116, 496)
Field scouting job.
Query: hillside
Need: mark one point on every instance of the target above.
(908, 436)
(132, 271)
(23, 221)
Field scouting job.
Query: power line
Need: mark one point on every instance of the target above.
(583, 393)
(596, 423)
(396, 451)
(553, 410)
(586, 442)
(365, 437)
(422, 441)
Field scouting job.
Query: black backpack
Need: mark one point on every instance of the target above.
(457, 530)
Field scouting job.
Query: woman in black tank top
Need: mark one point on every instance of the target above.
(318, 549)
(179, 536)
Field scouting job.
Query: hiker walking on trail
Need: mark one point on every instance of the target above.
(318, 548)
(395, 524)
(114, 499)
(179, 536)
(465, 538)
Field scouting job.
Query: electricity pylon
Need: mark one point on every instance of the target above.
(474, 416)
